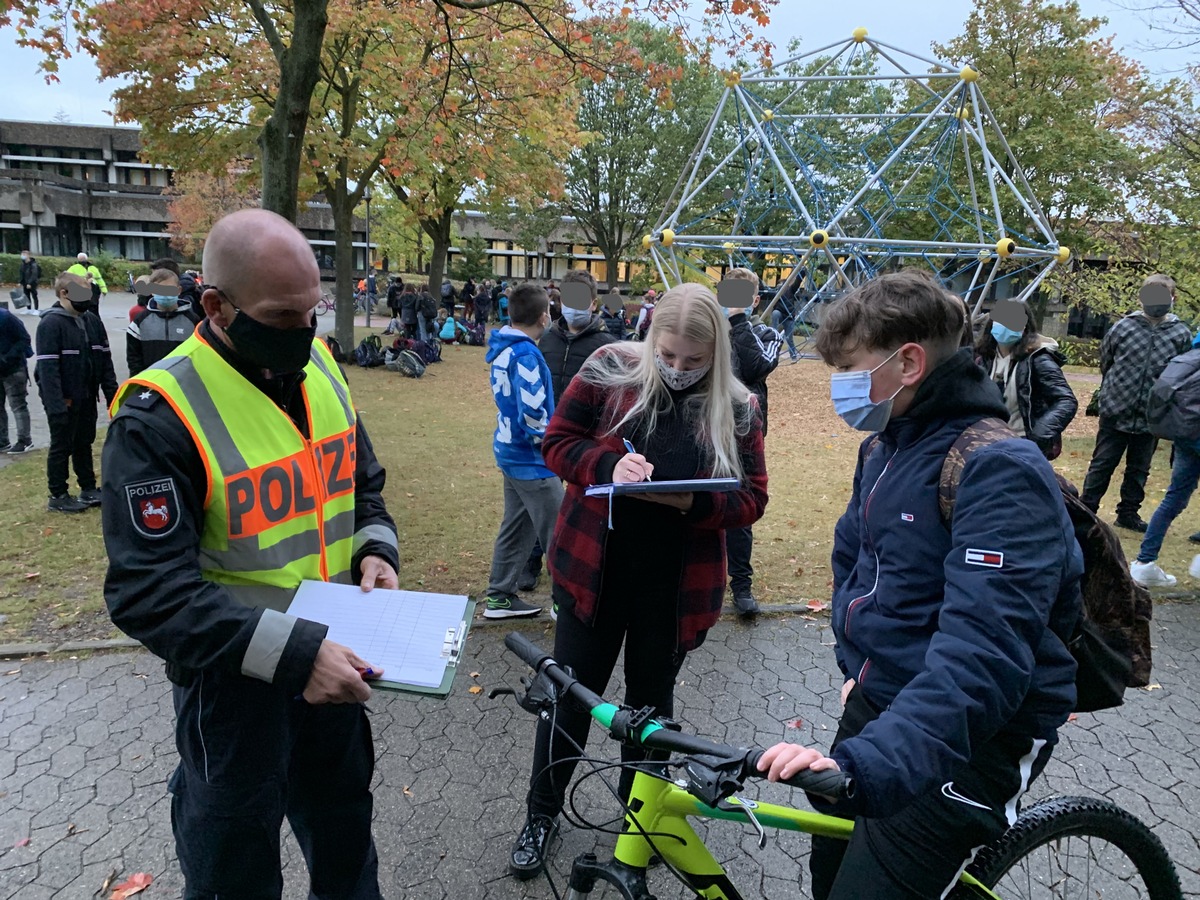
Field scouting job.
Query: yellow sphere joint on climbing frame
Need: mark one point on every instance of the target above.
(1064, 254)
(968, 74)
(768, 115)
(985, 254)
(964, 114)
(729, 246)
(859, 35)
(733, 79)
(1006, 247)
(668, 237)
(647, 240)
(819, 238)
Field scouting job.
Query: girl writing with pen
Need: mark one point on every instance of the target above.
(674, 396)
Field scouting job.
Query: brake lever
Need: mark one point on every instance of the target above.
(738, 804)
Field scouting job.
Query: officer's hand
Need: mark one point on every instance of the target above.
(337, 677)
(378, 572)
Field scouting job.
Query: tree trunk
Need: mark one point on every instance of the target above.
(343, 224)
(439, 232)
(282, 139)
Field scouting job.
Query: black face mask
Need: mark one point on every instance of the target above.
(1157, 311)
(283, 351)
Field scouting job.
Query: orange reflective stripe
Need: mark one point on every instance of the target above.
(208, 469)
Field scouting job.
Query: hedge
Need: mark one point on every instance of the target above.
(114, 270)
(1081, 351)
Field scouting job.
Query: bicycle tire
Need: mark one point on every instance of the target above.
(1064, 817)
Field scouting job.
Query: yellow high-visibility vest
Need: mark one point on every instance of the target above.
(280, 507)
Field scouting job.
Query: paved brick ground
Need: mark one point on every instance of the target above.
(86, 748)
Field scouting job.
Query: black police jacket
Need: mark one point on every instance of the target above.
(153, 589)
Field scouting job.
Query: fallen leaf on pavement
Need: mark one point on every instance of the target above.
(1072, 717)
(817, 605)
(796, 723)
(1153, 687)
(23, 842)
(13, 672)
(474, 674)
(112, 876)
(407, 792)
(135, 885)
(475, 689)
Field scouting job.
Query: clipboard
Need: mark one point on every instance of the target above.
(421, 634)
(632, 488)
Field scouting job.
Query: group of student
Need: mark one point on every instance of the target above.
(967, 656)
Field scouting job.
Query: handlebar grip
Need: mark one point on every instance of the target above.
(529, 652)
(831, 784)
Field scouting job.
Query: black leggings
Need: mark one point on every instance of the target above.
(646, 622)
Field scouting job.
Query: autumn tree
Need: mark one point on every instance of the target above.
(638, 126)
(201, 41)
(1066, 101)
(198, 200)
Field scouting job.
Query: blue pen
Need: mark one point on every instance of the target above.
(629, 448)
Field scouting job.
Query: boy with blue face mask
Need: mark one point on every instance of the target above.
(950, 634)
(167, 321)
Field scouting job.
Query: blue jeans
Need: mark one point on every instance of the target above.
(1185, 473)
(786, 325)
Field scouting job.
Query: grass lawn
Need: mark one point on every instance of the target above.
(434, 437)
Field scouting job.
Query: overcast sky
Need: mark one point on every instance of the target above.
(87, 100)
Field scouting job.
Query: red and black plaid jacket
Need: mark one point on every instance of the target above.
(576, 449)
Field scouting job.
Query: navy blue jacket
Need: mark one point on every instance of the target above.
(15, 346)
(956, 632)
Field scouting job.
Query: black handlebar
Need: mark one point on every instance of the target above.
(833, 785)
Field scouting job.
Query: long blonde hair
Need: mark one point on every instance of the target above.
(720, 407)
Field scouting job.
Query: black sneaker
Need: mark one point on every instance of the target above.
(1133, 523)
(20, 447)
(90, 497)
(509, 608)
(532, 849)
(1194, 538)
(746, 605)
(65, 503)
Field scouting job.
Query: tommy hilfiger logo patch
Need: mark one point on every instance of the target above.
(906, 517)
(989, 558)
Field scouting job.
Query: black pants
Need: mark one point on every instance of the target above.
(71, 438)
(739, 544)
(31, 295)
(646, 622)
(919, 852)
(1111, 444)
(249, 755)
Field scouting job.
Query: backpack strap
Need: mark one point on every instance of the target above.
(973, 438)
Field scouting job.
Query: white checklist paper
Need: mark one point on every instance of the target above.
(407, 634)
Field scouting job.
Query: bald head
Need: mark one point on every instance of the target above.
(259, 262)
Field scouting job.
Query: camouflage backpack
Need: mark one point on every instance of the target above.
(1111, 643)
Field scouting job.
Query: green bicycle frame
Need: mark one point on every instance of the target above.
(662, 809)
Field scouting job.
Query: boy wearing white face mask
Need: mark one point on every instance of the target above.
(950, 634)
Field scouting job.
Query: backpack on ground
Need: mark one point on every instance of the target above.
(476, 336)
(369, 352)
(1111, 643)
(335, 349)
(429, 351)
(407, 363)
(1173, 410)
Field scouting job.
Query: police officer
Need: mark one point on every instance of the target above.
(234, 469)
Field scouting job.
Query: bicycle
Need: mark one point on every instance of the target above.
(1034, 858)
(325, 304)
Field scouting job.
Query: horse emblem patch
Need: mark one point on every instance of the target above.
(153, 507)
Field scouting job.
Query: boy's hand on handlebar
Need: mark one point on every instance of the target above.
(785, 760)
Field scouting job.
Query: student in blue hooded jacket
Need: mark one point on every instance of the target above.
(950, 635)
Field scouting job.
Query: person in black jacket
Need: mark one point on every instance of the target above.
(29, 276)
(279, 724)
(568, 343)
(15, 348)
(1027, 368)
(168, 321)
(73, 365)
(756, 351)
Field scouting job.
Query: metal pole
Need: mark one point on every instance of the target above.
(367, 197)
